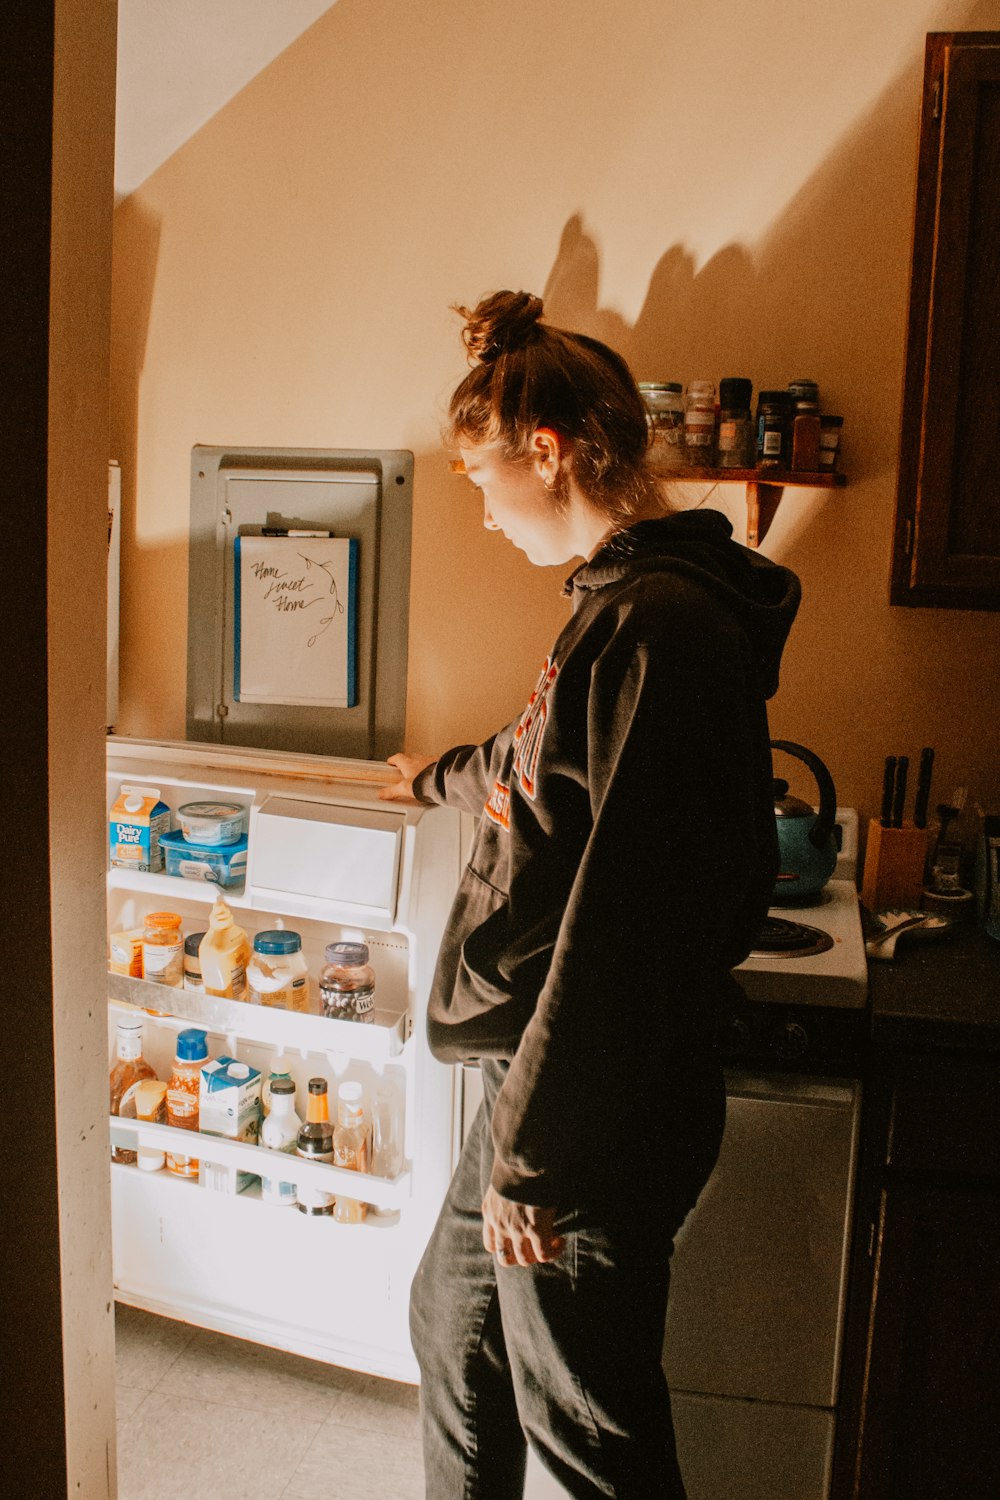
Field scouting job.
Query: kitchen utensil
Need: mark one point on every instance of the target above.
(894, 923)
(899, 791)
(923, 787)
(888, 782)
(806, 841)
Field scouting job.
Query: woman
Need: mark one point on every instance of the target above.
(623, 863)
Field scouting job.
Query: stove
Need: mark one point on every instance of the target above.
(806, 981)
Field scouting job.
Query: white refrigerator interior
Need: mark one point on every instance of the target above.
(330, 861)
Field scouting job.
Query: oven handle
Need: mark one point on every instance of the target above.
(826, 1093)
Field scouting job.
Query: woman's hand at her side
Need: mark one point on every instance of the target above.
(518, 1233)
(408, 766)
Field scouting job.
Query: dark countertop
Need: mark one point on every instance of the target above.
(938, 992)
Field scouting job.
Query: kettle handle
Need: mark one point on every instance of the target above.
(821, 830)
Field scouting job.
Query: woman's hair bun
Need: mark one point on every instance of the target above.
(499, 323)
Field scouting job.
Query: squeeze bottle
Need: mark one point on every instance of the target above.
(224, 954)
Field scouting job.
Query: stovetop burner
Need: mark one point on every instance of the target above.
(779, 938)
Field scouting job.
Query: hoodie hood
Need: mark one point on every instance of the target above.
(698, 546)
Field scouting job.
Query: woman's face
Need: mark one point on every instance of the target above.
(517, 502)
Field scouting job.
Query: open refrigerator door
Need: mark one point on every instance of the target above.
(327, 859)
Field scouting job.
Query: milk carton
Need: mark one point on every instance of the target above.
(228, 1105)
(136, 821)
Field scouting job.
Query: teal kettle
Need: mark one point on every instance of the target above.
(806, 839)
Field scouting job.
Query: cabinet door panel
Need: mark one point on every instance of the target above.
(929, 1428)
(947, 547)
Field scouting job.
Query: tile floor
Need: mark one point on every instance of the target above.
(200, 1413)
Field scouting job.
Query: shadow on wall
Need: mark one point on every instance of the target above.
(823, 295)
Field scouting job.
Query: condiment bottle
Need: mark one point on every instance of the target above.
(192, 962)
(224, 953)
(163, 949)
(699, 422)
(127, 1072)
(829, 440)
(276, 1070)
(315, 1143)
(182, 1094)
(350, 1148)
(278, 974)
(280, 1132)
(737, 442)
(347, 983)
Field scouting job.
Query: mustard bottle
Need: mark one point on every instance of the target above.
(224, 954)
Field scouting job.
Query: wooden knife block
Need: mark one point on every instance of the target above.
(894, 867)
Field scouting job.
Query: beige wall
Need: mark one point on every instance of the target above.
(715, 188)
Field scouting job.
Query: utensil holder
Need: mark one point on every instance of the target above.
(894, 866)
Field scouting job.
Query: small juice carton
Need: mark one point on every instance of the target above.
(136, 821)
(228, 1105)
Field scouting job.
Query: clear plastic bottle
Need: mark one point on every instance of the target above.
(182, 1094)
(278, 974)
(280, 1132)
(350, 1148)
(315, 1143)
(387, 1130)
(347, 983)
(699, 423)
(130, 1068)
(224, 955)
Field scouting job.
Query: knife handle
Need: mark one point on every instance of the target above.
(899, 796)
(888, 781)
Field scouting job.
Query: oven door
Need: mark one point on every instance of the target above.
(753, 1335)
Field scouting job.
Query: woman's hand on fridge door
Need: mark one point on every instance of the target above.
(409, 766)
(518, 1233)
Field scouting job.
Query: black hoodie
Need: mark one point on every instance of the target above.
(625, 855)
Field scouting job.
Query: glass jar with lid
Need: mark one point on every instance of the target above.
(664, 405)
(699, 423)
(737, 444)
(775, 410)
(347, 983)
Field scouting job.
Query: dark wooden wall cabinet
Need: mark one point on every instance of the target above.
(946, 547)
(928, 1368)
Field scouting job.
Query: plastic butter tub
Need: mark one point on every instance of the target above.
(222, 864)
(212, 822)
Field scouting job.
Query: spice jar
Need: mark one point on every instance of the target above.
(163, 948)
(737, 440)
(699, 422)
(774, 423)
(805, 394)
(829, 441)
(665, 421)
(347, 983)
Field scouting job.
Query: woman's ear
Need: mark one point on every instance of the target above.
(547, 450)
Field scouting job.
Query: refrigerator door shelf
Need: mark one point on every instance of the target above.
(375, 1042)
(174, 887)
(362, 1186)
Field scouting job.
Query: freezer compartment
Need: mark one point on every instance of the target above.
(317, 859)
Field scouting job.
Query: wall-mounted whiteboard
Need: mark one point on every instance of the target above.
(295, 620)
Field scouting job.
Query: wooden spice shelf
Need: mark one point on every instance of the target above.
(764, 489)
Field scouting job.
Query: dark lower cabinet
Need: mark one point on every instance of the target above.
(921, 1393)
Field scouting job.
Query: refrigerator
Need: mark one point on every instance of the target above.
(329, 860)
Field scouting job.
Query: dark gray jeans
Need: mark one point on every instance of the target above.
(565, 1355)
